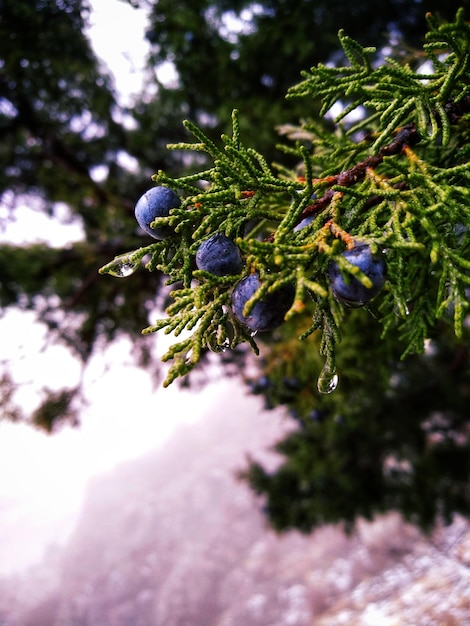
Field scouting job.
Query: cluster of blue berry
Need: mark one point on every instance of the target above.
(220, 256)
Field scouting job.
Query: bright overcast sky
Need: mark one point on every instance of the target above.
(117, 34)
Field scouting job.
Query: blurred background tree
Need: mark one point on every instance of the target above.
(66, 143)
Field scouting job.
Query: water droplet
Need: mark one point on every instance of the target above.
(401, 309)
(327, 381)
(215, 345)
(188, 360)
(126, 269)
(122, 267)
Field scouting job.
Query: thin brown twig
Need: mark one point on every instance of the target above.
(405, 136)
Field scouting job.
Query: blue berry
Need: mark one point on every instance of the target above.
(305, 222)
(261, 385)
(156, 202)
(219, 256)
(267, 313)
(317, 415)
(347, 289)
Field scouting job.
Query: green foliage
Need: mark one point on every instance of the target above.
(40, 42)
(75, 305)
(64, 133)
(394, 436)
(395, 94)
(389, 189)
(56, 407)
(251, 67)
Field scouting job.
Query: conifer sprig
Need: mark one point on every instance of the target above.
(402, 189)
(395, 95)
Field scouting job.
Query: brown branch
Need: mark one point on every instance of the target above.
(405, 136)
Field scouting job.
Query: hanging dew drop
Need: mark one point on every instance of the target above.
(216, 346)
(401, 309)
(121, 271)
(188, 361)
(126, 269)
(125, 264)
(327, 381)
(123, 268)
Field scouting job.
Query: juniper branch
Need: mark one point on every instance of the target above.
(402, 188)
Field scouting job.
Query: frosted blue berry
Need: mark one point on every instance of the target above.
(219, 256)
(347, 289)
(267, 313)
(156, 202)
